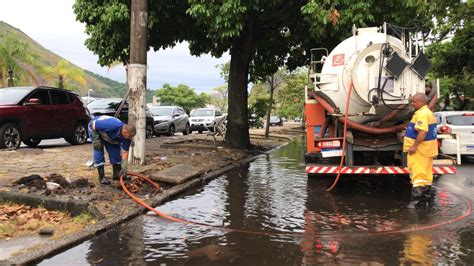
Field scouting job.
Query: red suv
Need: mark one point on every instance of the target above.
(31, 114)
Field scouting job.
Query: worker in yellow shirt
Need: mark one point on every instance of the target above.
(420, 144)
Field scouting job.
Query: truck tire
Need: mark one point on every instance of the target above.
(10, 136)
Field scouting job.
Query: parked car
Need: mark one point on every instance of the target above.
(108, 106)
(276, 121)
(203, 119)
(456, 122)
(255, 122)
(31, 114)
(169, 120)
(297, 119)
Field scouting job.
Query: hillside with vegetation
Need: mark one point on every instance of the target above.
(33, 65)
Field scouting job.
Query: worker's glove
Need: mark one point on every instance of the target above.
(124, 169)
(98, 146)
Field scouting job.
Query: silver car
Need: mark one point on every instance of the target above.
(456, 122)
(169, 120)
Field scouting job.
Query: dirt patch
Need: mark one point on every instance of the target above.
(19, 220)
(81, 183)
(58, 179)
(51, 183)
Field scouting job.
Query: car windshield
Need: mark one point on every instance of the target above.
(104, 104)
(203, 113)
(161, 111)
(13, 95)
(461, 120)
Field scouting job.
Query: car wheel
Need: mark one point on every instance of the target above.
(149, 131)
(32, 143)
(171, 131)
(186, 130)
(10, 136)
(79, 134)
(200, 131)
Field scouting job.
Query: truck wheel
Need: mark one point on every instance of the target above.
(32, 143)
(79, 134)
(10, 136)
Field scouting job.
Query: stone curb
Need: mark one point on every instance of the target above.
(55, 247)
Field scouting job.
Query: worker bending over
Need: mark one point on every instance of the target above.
(116, 137)
(420, 144)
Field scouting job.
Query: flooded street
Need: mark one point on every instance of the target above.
(270, 213)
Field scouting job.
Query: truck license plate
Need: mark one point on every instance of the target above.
(331, 152)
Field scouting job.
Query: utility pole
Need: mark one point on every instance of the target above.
(137, 78)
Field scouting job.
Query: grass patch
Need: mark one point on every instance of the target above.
(85, 218)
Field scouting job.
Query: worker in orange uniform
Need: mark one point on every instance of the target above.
(420, 144)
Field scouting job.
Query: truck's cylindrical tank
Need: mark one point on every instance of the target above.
(358, 59)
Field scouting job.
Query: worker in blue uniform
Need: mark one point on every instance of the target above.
(421, 145)
(115, 136)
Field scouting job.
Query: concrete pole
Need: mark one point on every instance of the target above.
(137, 78)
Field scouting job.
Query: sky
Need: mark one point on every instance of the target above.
(53, 24)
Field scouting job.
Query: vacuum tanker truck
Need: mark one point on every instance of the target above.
(359, 107)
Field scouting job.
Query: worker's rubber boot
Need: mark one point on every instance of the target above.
(116, 168)
(416, 194)
(102, 178)
(426, 196)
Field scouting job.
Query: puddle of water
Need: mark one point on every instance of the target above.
(273, 194)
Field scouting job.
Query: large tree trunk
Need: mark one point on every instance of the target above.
(237, 135)
(137, 78)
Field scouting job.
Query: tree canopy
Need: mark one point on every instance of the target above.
(290, 98)
(453, 59)
(63, 72)
(260, 36)
(182, 95)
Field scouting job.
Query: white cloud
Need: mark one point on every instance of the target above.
(52, 23)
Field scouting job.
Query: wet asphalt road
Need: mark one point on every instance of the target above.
(289, 219)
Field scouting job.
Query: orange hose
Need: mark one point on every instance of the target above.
(467, 212)
(343, 139)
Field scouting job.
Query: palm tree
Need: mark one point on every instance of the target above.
(12, 53)
(63, 71)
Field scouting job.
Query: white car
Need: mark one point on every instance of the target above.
(456, 122)
(203, 119)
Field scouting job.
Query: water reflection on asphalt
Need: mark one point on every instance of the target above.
(273, 194)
